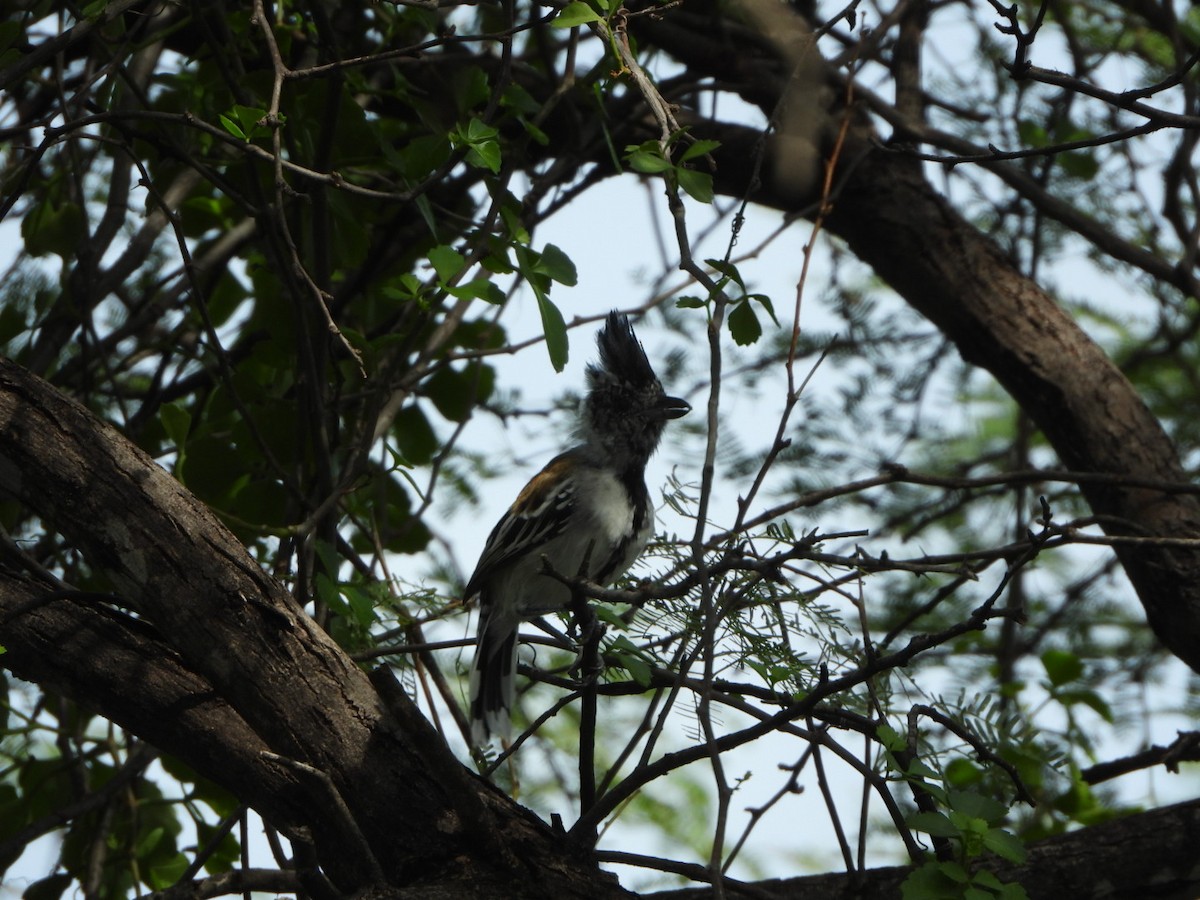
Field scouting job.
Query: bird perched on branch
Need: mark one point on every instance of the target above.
(586, 513)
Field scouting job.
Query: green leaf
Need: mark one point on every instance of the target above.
(744, 324)
(631, 660)
(1013, 892)
(978, 806)
(168, 873)
(414, 436)
(766, 304)
(1005, 845)
(515, 97)
(485, 155)
(362, 605)
(455, 393)
(47, 228)
(244, 122)
(1081, 164)
(471, 88)
(729, 270)
(1061, 666)
(423, 154)
(555, 330)
(1087, 698)
(478, 130)
(557, 266)
(575, 13)
(963, 773)
(647, 158)
(176, 421)
(232, 127)
(698, 148)
(934, 823)
(931, 881)
(890, 738)
(988, 880)
(148, 841)
(698, 185)
(483, 149)
(446, 261)
(478, 289)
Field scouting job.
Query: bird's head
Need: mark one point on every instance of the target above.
(626, 408)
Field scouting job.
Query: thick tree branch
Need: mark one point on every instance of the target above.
(1149, 856)
(237, 675)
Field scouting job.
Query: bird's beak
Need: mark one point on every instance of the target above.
(673, 407)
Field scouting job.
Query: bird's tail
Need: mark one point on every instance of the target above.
(493, 678)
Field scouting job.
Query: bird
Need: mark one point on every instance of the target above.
(586, 513)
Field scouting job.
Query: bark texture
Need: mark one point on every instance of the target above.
(376, 792)
(1151, 856)
(234, 678)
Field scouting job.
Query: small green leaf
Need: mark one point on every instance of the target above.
(977, 806)
(1087, 698)
(690, 303)
(729, 270)
(698, 185)
(478, 289)
(415, 438)
(555, 330)
(1013, 892)
(963, 773)
(168, 873)
(1061, 666)
(176, 421)
(575, 13)
(149, 841)
(744, 325)
(631, 660)
(446, 261)
(485, 155)
(1081, 164)
(934, 823)
(232, 127)
(930, 882)
(557, 266)
(515, 97)
(478, 130)
(698, 148)
(1005, 845)
(890, 738)
(47, 228)
(362, 606)
(766, 303)
(483, 149)
(647, 158)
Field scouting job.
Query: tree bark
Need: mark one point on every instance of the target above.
(238, 681)
(387, 808)
(1150, 856)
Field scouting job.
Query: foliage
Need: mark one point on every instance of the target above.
(278, 248)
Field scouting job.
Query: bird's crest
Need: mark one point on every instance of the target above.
(622, 357)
